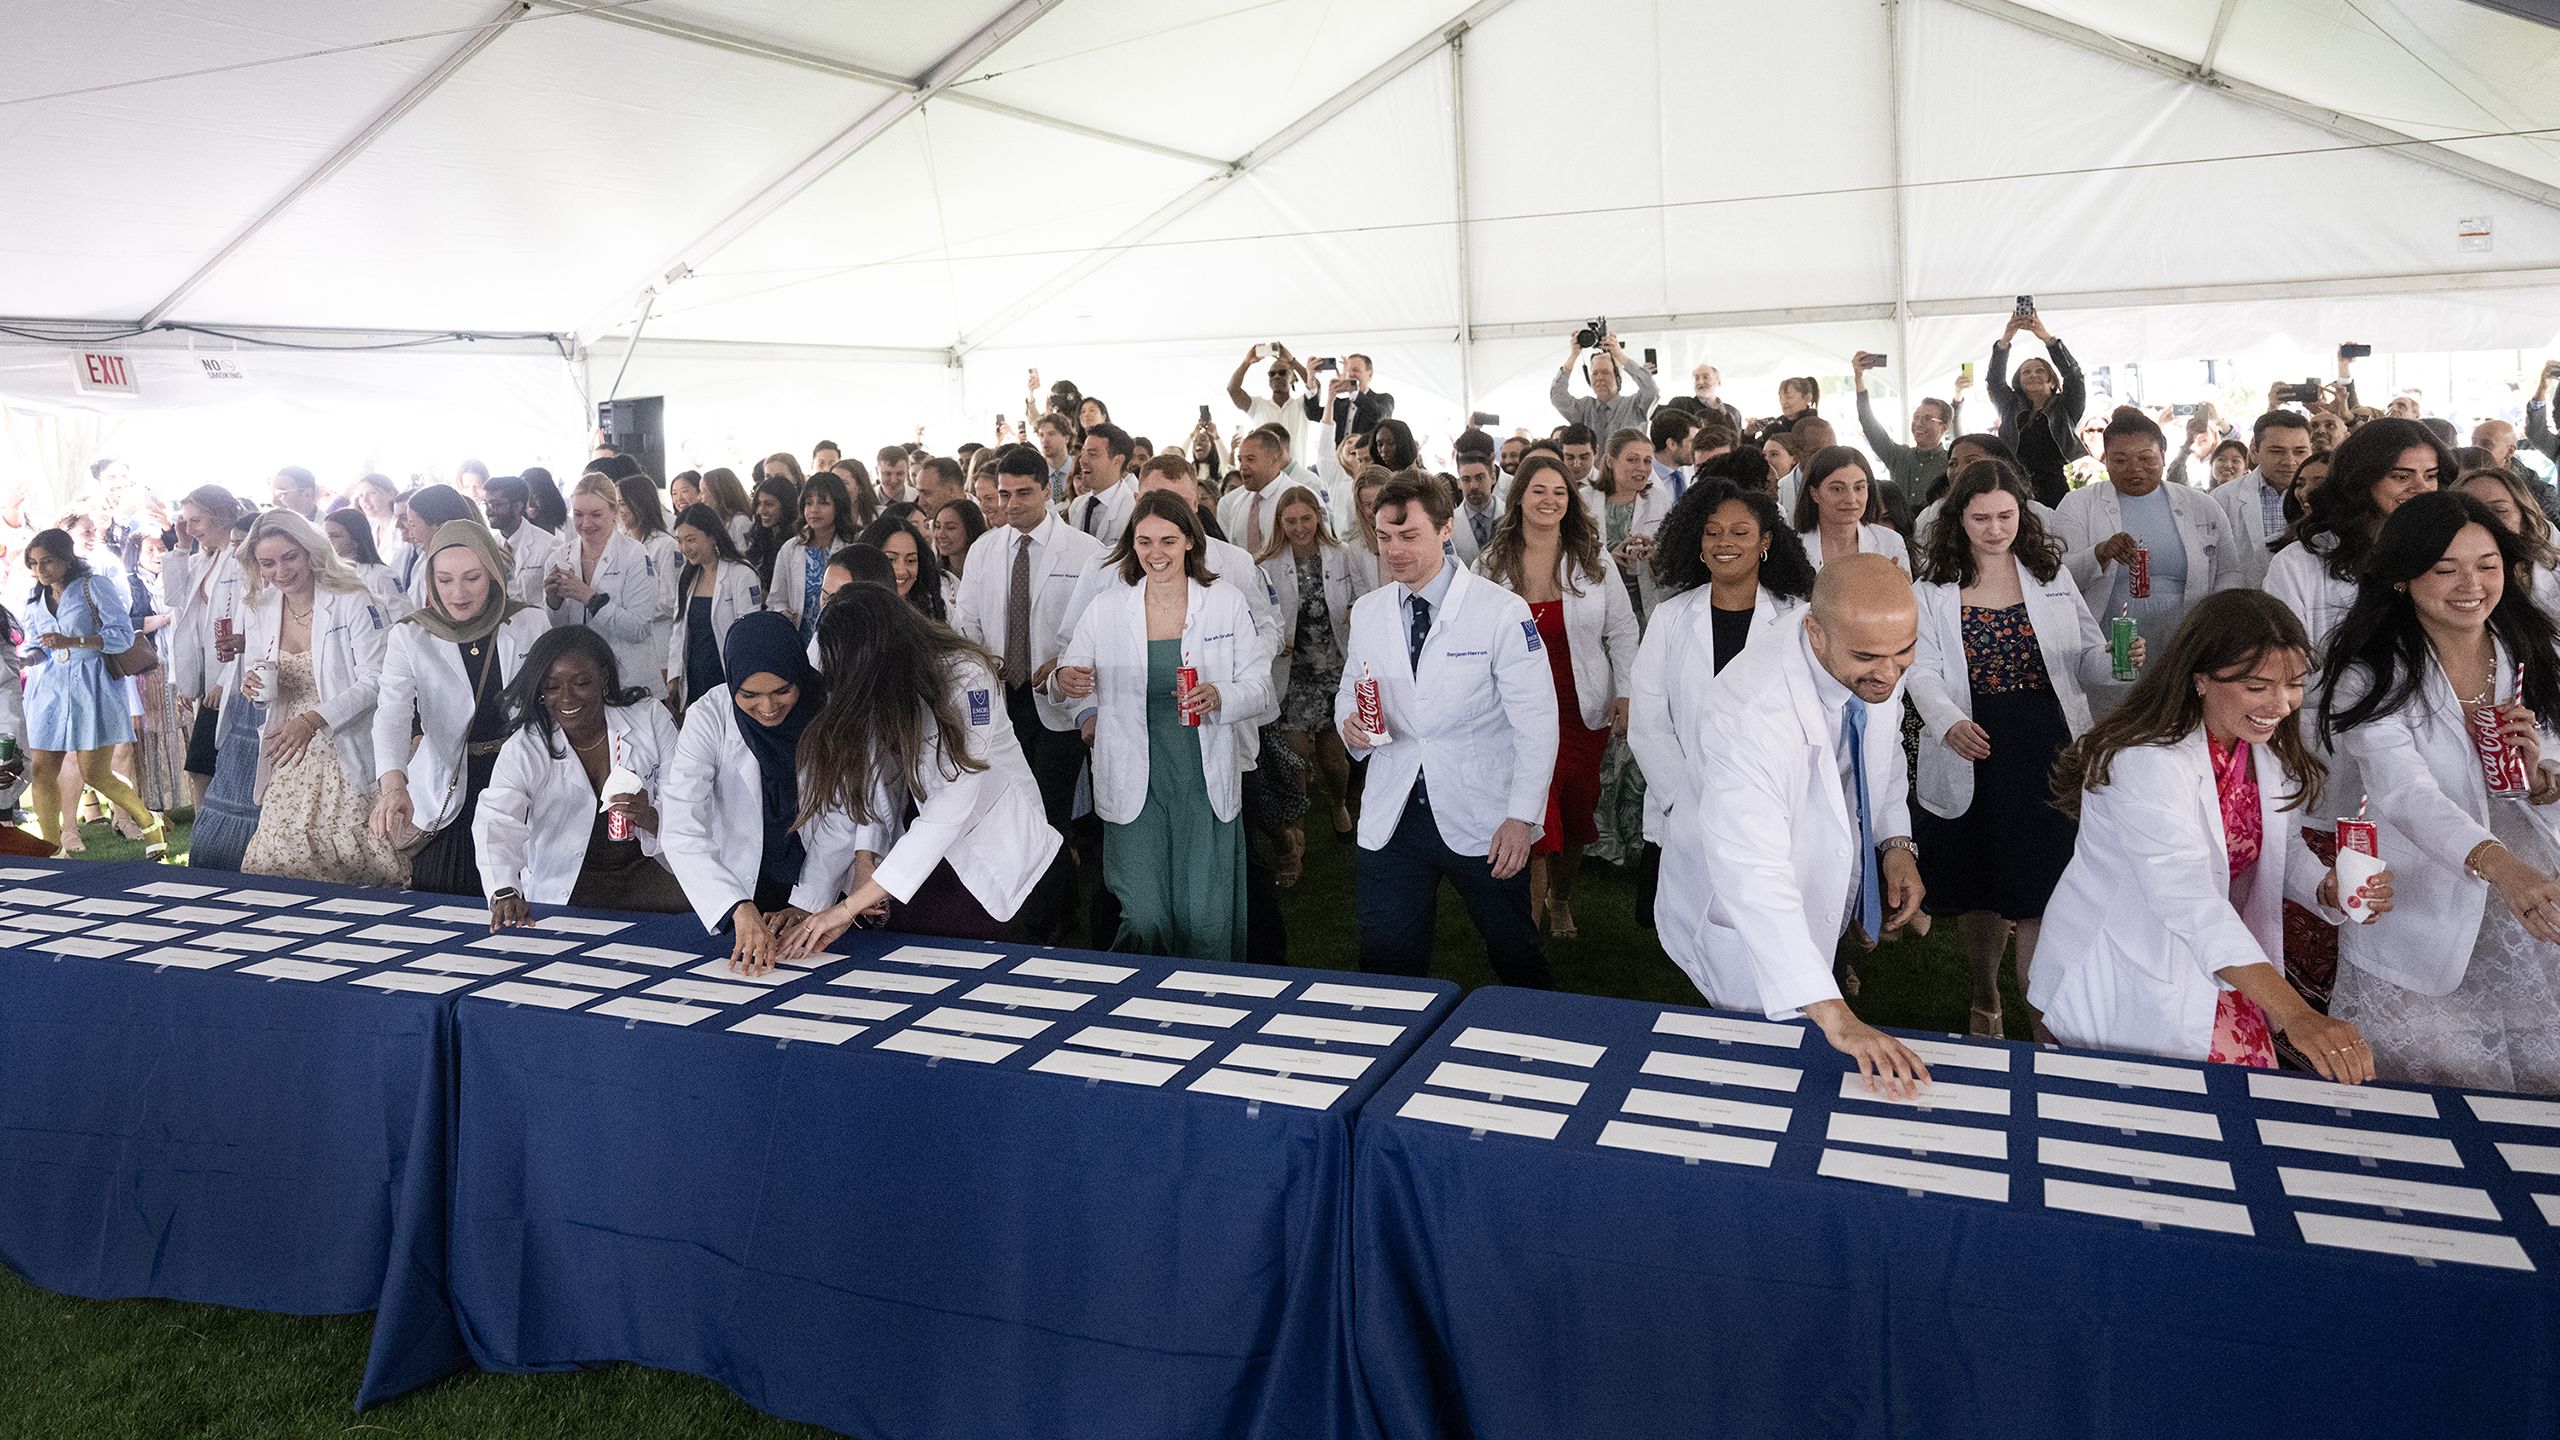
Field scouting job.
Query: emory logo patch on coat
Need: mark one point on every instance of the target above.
(981, 708)
(1530, 629)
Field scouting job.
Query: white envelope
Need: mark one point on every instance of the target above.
(1903, 1173)
(1728, 1029)
(2303, 1090)
(180, 957)
(352, 954)
(656, 1012)
(2107, 1070)
(2389, 1192)
(1044, 967)
(1347, 1032)
(1894, 1132)
(2530, 1159)
(1033, 996)
(1507, 1084)
(2513, 1110)
(787, 1027)
(1174, 1012)
(564, 972)
(1483, 1115)
(405, 934)
(930, 955)
(404, 980)
(1289, 1060)
(2126, 1115)
(1688, 1144)
(465, 964)
(581, 925)
(2149, 1206)
(2152, 1165)
(349, 905)
(1706, 1110)
(1118, 1069)
(82, 945)
(1138, 1042)
(1947, 1054)
(516, 992)
(241, 940)
(719, 970)
(514, 944)
(980, 1022)
(650, 955)
(1529, 1047)
(1936, 1095)
(716, 993)
(2373, 1144)
(1279, 1089)
(843, 1007)
(2385, 1237)
(293, 970)
(1208, 983)
(944, 1046)
(900, 984)
(298, 924)
(1366, 997)
(1679, 1066)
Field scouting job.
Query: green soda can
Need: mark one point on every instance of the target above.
(2120, 631)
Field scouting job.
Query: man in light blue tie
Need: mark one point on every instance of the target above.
(1804, 818)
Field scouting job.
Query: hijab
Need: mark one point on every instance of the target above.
(765, 642)
(434, 618)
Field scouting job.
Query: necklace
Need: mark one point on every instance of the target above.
(587, 749)
(305, 614)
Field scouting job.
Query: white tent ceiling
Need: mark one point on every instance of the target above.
(1133, 189)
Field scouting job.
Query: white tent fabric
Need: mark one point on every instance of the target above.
(845, 217)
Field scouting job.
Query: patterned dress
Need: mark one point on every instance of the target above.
(1315, 664)
(312, 823)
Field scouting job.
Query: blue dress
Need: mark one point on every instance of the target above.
(72, 702)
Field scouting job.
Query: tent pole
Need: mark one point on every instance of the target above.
(648, 303)
(1912, 385)
(1466, 276)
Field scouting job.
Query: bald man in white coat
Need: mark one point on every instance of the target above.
(1803, 815)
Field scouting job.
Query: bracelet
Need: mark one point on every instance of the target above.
(2471, 862)
(1903, 843)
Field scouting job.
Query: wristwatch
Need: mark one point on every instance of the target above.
(1903, 843)
(508, 893)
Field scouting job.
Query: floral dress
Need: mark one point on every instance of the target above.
(312, 824)
(1315, 664)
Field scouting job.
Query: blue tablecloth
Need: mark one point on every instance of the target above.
(1522, 1288)
(213, 1135)
(905, 1245)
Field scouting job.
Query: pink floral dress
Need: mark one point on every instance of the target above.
(2241, 1034)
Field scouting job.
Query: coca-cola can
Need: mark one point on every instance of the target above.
(1185, 680)
(2359, 861)
(1373, 714)
(617, 825)
(2500, 766)
(222, 629)
(2359, 836)
(2138, 574)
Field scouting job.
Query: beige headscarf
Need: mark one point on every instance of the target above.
(432, 615)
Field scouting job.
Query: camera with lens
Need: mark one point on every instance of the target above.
(1592, 334)
(2306, 393)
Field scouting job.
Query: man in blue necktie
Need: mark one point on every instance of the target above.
(1805, 833)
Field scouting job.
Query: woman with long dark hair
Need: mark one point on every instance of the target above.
(2467, 990)
(955, 526)
(915, 564)
(2168, 926)
(713, 590)
(73, 706)
(777, 506)
(1546, 550)
(1840, 510)
(1730, 570)
(2000, 681)
(1169, 762)
(644, 518)
(2042, 411)
(352, 540)
(800, 566)
(912, 769)
(569, 816)
(550, 507)
(728, 498)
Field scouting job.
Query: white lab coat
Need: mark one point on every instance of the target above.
(1219, 641)
(1060, 556)
(1105, 516)
(2244, 518)
(2430, 807)
(531, 829)
(385, 587)
(1778, 847)
(2142, 920)
(1237, 573)
(634, 619)
(186, 644)
(1477, 720)
(2299, 576)
(1280, 572)
(2094, 513)
(1940, 683)
(1600, 639)
(349, 633)
(424, 684)
(1363, 565)
(734, 593)
(987, 823)
(1675, 672)
(790, 577)
(711, 811)
(530, 550)
(1881, 540)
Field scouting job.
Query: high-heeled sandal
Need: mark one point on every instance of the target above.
(1986, 1023)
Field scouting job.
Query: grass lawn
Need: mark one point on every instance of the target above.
(90, 1370)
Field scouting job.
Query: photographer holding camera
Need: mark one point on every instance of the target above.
(2040, 416)
(1608, 409)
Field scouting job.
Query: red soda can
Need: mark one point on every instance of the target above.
(2359, 836)
(2359, 859)
(1185, 680)
(1373, 714)
(2138, 574)
(2500, 765)
(222, 629)
(617, 825)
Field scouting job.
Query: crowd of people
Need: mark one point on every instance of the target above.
(2101, 702)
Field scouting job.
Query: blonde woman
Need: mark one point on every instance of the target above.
(1311, 573)
(1363, 552)
(603, 579)
(312, 655)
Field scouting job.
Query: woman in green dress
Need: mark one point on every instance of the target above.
(1169, 759)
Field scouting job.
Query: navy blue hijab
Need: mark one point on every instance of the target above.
(767, 643)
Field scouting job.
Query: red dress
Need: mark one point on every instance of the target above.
(1573, 797)
(2241, 1034)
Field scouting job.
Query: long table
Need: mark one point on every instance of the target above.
(202, 1098)
(1585, 1216)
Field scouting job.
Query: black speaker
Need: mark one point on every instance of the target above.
(638, 428)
